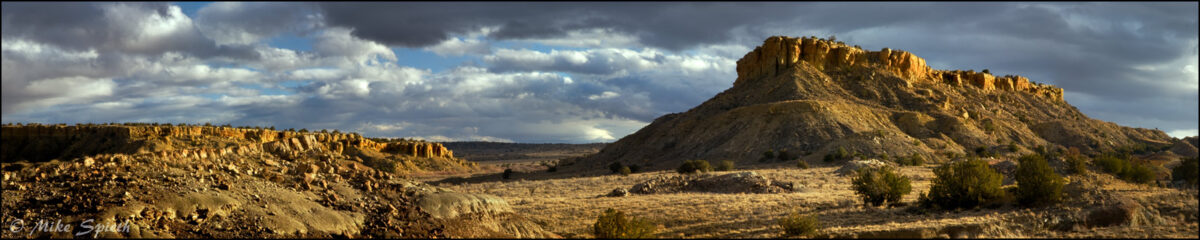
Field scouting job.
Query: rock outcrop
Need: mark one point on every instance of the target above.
(780, 53)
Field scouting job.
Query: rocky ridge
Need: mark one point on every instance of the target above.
(779, 53)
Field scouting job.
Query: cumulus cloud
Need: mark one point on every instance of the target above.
(547, 72)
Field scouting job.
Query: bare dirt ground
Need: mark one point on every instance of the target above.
(568, 204)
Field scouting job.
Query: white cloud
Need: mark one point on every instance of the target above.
(457, 46)
(605, 95)
(1181, 133)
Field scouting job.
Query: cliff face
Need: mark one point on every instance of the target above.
(45, 142)
(810, 97)
(780, 53)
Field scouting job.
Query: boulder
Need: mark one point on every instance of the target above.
(446, 205)
(1118, 212)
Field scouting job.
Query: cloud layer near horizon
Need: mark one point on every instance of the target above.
(546, 72)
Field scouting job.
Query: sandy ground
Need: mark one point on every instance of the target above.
(568, 205)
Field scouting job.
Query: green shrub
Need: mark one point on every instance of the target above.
(1187, 171)
(802, 164)
(840, 154)
(912, 160)
(634, 168)
(694, 166)
(783, 156)
(1125, 169)
(984, 152)
(625, 171)
(615, 167)
(615, 224)
(965, 184)
(1012, 147)
(796, 224)
(1036, 181)
(768, 155)
(879, 185)
(726, 165)
(507, 173)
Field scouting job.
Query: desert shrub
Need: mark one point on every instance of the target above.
(553, 168)
(1125, 169)
(615, 167)
(1036, 181)
(634, 168)
(802, 164)
(508, 172)
(768, 155)
(694, 166)
(840, 154)
(965, 184)
(912, 160)
(726, 165)
(1187, 171)
(1076, 161)
(796, 224)
(783, 156)
(984, 152)
(883, 156)
(1012, 147)
(615, 224)
(625, 171)
(879, 185)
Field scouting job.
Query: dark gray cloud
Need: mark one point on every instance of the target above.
(130, 28)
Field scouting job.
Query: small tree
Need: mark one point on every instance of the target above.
(840, 154)
(615, 167)
(726, 165)
(508, 172)
(625, 171)
(802, 164)
(1188, 171)
(965, 184)
(1036, 181)
(879, 185)
(634, 168)
(614, 224)
(796, 224)
(768, 155)
(784, 156)
(694, 166)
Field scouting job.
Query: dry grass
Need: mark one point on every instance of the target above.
(569, 206)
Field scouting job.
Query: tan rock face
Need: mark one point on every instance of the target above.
(778, 53)
(283, 142)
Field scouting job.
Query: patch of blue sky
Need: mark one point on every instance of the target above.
(190, 8)
(291, 41)
(425, 59)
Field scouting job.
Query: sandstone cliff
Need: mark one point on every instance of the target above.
(809, 97)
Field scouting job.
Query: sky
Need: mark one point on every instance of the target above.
(571, 72)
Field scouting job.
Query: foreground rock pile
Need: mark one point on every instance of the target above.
(741, 182)
(242, 185)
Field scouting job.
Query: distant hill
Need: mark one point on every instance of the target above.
(497, 151)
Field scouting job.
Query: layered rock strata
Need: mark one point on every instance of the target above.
(779, 53)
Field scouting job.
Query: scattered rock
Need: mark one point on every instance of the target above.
(852, 167)
(619, 192)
